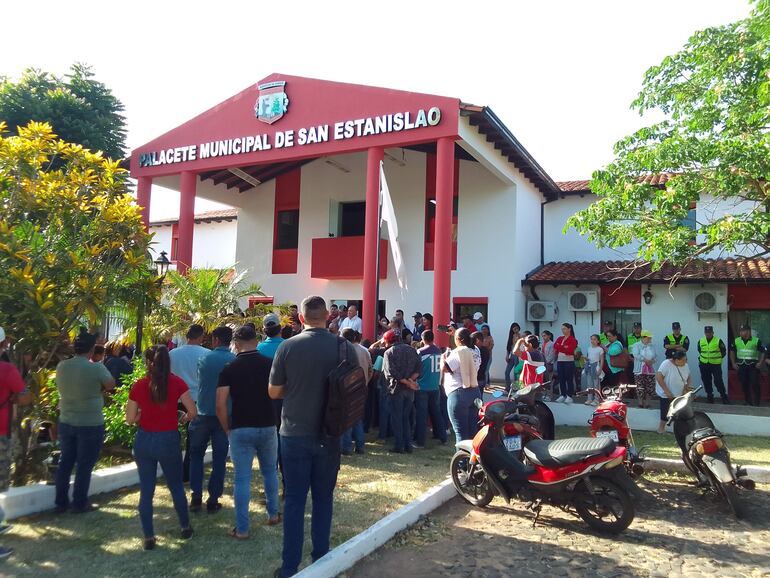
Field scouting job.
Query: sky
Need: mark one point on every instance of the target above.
(560, 74)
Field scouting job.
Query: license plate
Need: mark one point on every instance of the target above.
(512, 443)
(608, 433)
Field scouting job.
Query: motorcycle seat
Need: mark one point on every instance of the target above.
(553, 454)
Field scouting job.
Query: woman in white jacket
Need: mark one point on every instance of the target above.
(644, 368)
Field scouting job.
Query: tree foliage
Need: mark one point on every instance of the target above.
(714, 142)
(208, 297)
(80, 109)
(71, 243)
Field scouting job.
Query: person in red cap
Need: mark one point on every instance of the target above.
(401, 366)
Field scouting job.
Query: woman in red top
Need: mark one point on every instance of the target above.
(152, 403)
(564, 347)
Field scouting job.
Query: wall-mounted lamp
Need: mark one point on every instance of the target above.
(647, 296)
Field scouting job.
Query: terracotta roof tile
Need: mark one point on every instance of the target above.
(709, 270)
(584, 185)
(208, 216)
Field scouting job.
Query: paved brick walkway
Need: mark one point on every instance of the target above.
(676, 533)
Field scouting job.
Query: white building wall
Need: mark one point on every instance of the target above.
(214, 244)
(487, 264)
(677, 304)
(572, 246)
(585, 323)
(668, 305)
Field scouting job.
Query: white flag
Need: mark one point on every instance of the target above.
(389, 216)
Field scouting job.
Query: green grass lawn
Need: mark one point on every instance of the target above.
(744, 450)
(108, 542)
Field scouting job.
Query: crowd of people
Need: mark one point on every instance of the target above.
(611, 359)
(262, 393)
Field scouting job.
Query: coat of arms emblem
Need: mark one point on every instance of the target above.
(272, 103)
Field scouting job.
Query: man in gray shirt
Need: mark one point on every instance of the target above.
(310, 459)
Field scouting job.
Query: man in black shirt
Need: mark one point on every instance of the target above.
(251, 429)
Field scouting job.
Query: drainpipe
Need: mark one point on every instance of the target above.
(542, 232)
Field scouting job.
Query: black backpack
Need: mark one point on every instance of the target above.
(346, 392)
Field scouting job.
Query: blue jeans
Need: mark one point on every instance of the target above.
(354, 434)
(202, 429)
(442, 404)
(509, 367)
(80, 445)
(244, 443)
(463, 413)
(151, 449)
(427, 404)
(309, 463)
(385, 429)
(565, 371)
(401, 403)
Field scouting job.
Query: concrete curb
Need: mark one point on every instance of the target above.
(756, 473)
(346, 555)
(35, 498)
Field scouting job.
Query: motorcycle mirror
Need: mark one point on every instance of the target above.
(497, 393)
(540, 370)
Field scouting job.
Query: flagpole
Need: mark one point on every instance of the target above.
(377, 261)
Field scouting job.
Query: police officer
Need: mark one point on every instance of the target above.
(675, 340)
(635, 336)
(711, 352)
(606, 326)
(746, 356)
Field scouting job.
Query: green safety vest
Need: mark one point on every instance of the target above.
(672, 340)
(747, 350)
(632, 339)
(603, 339)
(709, 351)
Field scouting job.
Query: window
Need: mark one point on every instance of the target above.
(691, 221)
(623, 319)
(468, 306)
(352, 219)
(758, 320)
(288, 229)
(430, 214)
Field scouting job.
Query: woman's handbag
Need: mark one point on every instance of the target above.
(620, 361)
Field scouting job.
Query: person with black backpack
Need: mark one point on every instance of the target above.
(323, 388)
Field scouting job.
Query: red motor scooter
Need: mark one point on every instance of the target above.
(529, 422)
(578, 475)
(610, 420)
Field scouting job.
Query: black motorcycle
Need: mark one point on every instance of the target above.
(705, 453)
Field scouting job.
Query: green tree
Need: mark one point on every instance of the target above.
(208, 297)
(80, 109)
(714, 142)
(71, 244)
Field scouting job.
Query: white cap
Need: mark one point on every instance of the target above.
(2, 334)
(477, 316)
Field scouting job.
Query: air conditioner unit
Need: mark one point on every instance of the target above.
(709, 300)
(542, 311)
(583, 300)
